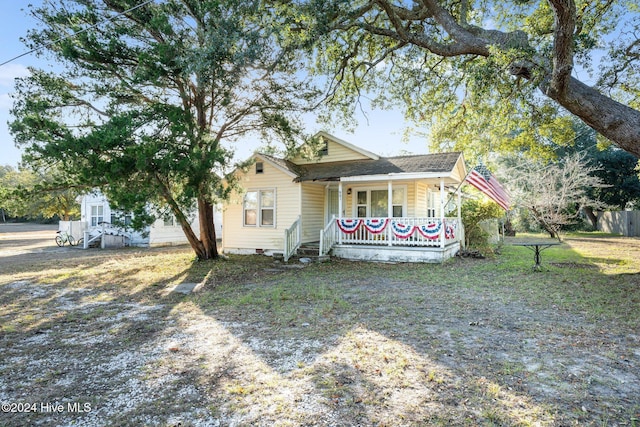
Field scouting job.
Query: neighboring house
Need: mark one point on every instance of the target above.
(96, 214)
(353, 203)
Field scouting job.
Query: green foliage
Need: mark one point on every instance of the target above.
(36, 195)
(469, 85)
(151, 104)
(474, 212)
(616, 169)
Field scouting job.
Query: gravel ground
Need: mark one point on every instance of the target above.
(337, 344)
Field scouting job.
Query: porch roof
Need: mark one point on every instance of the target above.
(417, 166)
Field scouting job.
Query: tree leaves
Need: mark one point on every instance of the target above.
(153, 97)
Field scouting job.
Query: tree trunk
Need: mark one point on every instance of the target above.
(205, 247)
(207, 229)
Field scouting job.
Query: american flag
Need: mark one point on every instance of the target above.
(483, 180)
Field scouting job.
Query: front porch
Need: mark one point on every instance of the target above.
(392, 239)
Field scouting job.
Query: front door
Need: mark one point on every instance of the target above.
(334, 206)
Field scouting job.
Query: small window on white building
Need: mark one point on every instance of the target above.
(97, 215)
(119, 219)
(259, 167)
(170, 221)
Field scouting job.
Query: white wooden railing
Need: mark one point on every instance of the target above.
(405, 231)
(328, 236)
(292, 237)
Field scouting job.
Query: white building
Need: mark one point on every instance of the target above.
(97, 215)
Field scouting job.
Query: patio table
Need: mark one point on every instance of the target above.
(537, 246)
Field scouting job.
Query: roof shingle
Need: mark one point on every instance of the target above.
(426, 163)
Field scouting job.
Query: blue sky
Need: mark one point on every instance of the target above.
(380, 132)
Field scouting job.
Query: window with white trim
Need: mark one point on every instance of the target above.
(259, 208)
(374, 202)
(120, 219)
(97, 215)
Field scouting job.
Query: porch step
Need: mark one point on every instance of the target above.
(308, 250)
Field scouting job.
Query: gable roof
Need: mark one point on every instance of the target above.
(426, 164)
(284, 165)
(352, 147)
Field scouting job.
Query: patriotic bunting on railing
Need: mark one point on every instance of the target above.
(449, 231)
(401, 230)
(376, 225)
(430, 231)
(348, 226)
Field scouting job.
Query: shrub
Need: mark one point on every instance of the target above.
(473, 213)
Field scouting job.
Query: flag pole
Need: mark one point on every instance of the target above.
(459, 186)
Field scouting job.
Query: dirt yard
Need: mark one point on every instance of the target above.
(97, 338)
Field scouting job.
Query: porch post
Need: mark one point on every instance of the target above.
(460, 228)
(339, 209)
(389, 209)
(442, 224)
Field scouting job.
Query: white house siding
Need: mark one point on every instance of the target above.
(336, 153)
(238, 238)
(421, 200)
(161, 234)
(158, 234)
(94, 199)
(313, 210)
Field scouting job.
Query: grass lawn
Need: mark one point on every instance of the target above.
(96, 338)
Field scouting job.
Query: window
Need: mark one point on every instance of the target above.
(119, 219)
(259, 167)
(267, 204)
(97, 215)
(324, 148)
(259, 208)
(397, 202)
(432, 202)
(169, 221)
(361, 204)
(375, 203)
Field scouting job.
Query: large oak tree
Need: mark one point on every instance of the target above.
(152, 96)
(489, 75)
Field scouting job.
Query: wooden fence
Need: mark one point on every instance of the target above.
(626, 223)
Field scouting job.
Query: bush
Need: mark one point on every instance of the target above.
(474, 212)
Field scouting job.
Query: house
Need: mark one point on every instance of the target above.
(97, 217)
(350, 202)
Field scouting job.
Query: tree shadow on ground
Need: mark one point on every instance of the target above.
(542, 350)
(465, 343)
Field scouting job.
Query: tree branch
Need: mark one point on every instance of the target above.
(565, 25)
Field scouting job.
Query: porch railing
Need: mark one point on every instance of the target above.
(292, 237)
(428, 232)
(328, 236)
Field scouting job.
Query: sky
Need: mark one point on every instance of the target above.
(379, 131)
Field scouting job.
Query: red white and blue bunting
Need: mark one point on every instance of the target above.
(449, 231)
(376, 225)
(402, 231)
(348, 226)
(430, 231)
